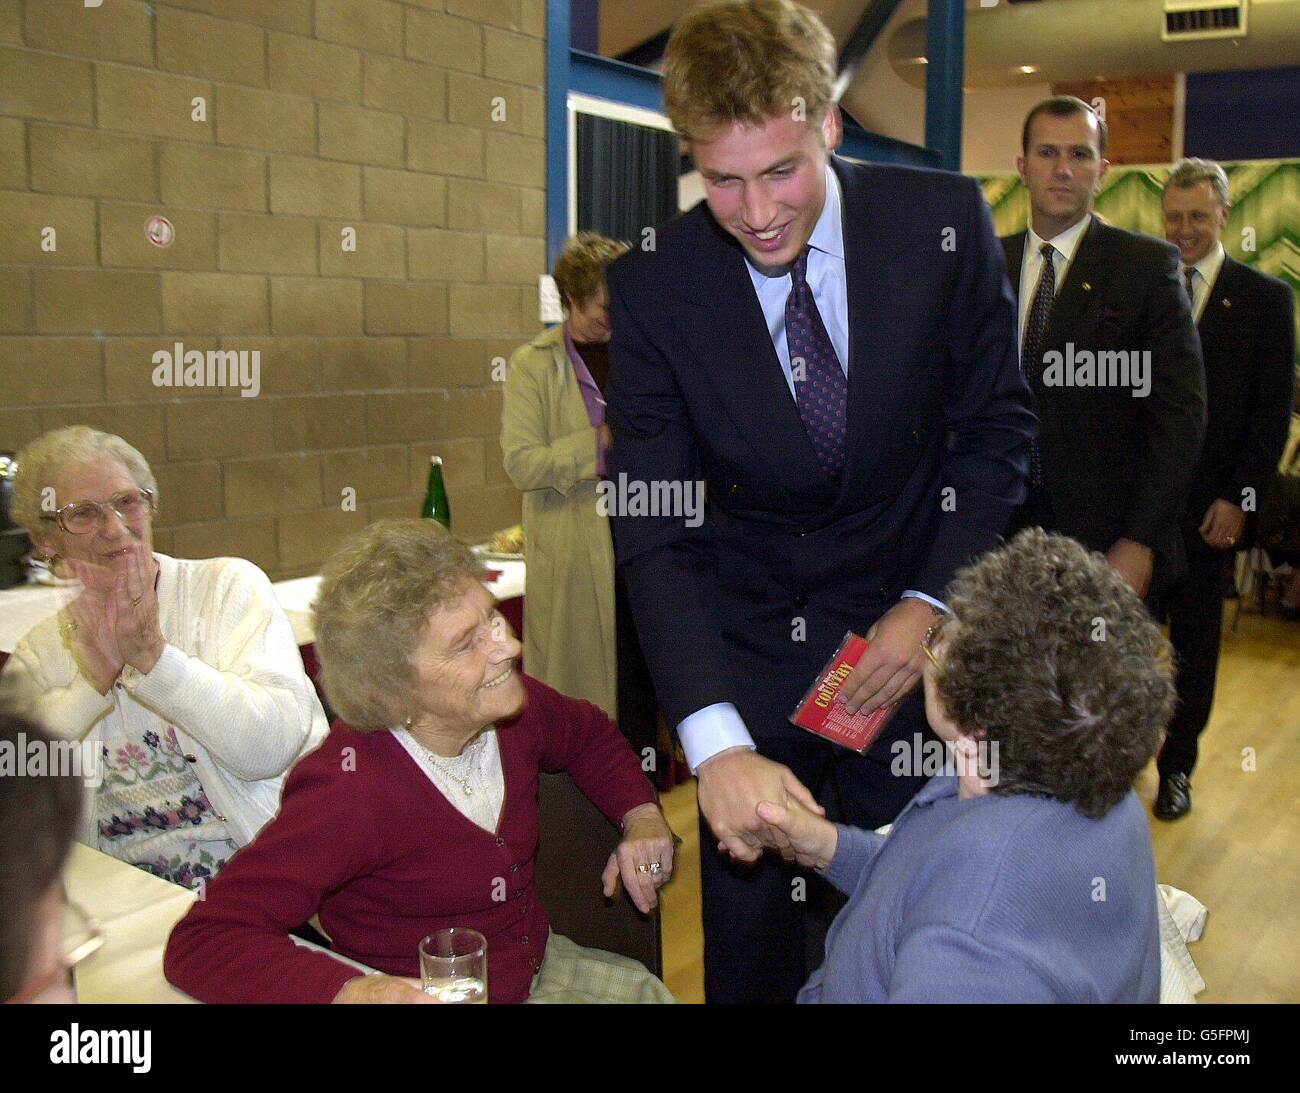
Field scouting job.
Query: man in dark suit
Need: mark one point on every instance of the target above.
(1111, 355)
(1247, 326)
(830, 348)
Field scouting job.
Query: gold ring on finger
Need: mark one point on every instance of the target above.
(135, 600)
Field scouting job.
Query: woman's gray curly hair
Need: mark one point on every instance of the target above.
(1054, 657)
(376, 594)
(40, 462)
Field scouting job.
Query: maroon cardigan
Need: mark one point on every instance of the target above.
(366, 841)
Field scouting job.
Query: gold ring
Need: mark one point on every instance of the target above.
(135, 600)
(68, 629)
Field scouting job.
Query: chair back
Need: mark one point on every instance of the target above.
(576, 841)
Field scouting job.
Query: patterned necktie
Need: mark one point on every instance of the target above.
(820, 389)
(1031, 350)
(1189, 276)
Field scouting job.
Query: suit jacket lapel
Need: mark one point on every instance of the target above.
(1014, 247)
(1215, 316)
(727, 326)
(1082, 288)
(877, 376)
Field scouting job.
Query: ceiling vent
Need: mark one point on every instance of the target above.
(1196, 20)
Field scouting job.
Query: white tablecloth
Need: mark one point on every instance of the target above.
(23, 607)
(136, 911)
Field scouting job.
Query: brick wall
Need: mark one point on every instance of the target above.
(418, 124)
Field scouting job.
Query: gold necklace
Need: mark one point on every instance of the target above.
(434, 762)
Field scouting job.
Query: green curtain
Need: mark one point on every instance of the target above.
(1263, 225)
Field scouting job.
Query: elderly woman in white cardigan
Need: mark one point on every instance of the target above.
(185, 672)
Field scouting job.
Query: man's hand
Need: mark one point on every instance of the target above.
(731, 784)
(890, 670)
(813, 840)
(1223, 524)
(1134, 563)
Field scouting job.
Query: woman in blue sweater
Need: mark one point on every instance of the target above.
(1023, 871)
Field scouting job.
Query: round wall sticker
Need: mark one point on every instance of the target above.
(159, 231)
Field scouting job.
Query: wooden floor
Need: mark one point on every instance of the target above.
(1238, 851)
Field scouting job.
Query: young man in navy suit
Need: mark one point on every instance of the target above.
(830, 348)
(1246, 321)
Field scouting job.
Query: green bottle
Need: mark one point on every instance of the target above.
(436, 505)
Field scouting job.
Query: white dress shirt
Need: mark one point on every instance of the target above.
(1064, 246)
(1207, 271)
(715, 728)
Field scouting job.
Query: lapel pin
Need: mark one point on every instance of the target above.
(1227, 302)
(1087, 286)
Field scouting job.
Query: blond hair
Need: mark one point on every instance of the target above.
(747, 61)
(376, 594)
(41, 461)
(581, 266)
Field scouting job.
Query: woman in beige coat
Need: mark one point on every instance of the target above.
(553, 439)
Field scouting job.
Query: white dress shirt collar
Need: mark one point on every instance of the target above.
(1066, 243)
(1211, 265)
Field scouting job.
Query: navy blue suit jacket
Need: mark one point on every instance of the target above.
(747, 607)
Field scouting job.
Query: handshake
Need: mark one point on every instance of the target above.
(753, 804)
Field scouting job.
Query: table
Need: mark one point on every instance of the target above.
(136, 911)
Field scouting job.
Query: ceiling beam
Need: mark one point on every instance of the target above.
(861, 39)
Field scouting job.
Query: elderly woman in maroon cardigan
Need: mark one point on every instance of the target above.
(419, 810)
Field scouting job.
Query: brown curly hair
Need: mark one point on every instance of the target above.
(1054, 657)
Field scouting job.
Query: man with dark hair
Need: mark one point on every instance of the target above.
(1247, 328)
(38, 821)
(1064, 106)
(1110, 352)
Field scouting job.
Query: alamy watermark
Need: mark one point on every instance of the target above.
(181, 367)
(633, 497)
(24, 758)
(1103, 368)
(922, 758)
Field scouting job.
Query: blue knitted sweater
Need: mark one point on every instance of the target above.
(994, 899)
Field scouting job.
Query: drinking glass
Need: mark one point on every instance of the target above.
(453, 966)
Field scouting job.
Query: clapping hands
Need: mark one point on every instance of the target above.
(113, 622)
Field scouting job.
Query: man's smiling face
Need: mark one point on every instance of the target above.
(766, 185)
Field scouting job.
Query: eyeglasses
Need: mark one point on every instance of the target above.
(931, 636)
(83, 517)
(82, 938)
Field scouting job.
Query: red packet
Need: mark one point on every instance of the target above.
(819, 712)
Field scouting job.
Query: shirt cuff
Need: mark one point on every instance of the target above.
(713, 729)
(912, 594)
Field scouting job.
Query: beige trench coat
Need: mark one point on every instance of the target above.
(549, 448)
